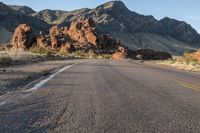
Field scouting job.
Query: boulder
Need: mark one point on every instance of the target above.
(23, 37)
(83, 32)
(120, 54)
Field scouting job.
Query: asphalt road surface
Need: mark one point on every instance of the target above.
(104, 96)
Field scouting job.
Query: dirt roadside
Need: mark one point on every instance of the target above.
(13, 78)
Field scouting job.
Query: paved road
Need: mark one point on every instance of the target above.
(104, 96)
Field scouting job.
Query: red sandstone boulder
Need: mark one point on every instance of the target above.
(120, 54)
(194, 55)
(23, 37)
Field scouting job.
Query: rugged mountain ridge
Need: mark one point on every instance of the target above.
(22, 9)
(10, 19)
(133, 29)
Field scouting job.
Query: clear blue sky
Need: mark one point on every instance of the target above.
(185, 10)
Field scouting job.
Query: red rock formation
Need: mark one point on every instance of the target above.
(194, 55)
(81, 35)
(42, 41)
(23, 37)
(54, 33)
(59, 36)
(67, 48)
(83, 32)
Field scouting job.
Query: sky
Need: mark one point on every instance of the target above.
(184, 10)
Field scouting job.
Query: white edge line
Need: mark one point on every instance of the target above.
(41, 83)
(44, 81)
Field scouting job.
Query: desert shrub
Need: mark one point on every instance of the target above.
(50, 54)
(39, 50)
(192, 61)
(5, 61)
(106, 56)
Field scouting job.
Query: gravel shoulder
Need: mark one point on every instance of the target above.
(13, 78)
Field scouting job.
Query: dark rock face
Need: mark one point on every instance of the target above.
(148, 54)
(180, 30)
(23, 37)
(22, 9)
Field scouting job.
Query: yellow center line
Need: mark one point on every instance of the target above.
(178, 81)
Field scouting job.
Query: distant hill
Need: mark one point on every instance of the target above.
(10, 19)
(133, 29)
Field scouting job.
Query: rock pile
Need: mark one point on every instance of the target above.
(148, 54)
(81, 36)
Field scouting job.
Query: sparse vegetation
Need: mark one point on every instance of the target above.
(5, 61)
(182, 62)
(38, 50)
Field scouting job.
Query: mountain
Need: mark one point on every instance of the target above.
(10, 19)
(133, 29)
(22, 9)
(60, 17)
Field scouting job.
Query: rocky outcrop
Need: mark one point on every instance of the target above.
(42, 41)
(23, 37)
(67, 48)
(59, 36)
(148, 54)
(83, 37)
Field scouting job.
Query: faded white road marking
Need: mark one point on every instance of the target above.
(41, 83)
(36, 87)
